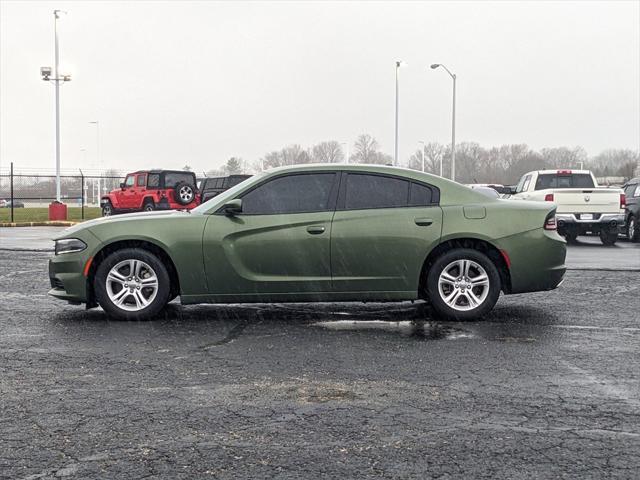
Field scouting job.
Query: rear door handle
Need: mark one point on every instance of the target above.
(423, 222)
(315, 229)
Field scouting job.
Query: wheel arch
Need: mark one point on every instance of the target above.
(149, 246)
(481, 245)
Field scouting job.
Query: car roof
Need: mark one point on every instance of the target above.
(160, 171)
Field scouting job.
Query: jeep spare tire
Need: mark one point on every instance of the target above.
(184, 193)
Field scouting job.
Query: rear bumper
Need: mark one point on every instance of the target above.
(537, 260)
(611, 221)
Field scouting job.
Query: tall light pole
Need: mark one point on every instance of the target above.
(453, 123)
(45, 72)
(424, 146)
(346, 147)
(399, 64)
(97, 124)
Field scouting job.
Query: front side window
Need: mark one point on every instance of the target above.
(142, 179)
(375, 191)
(130, 181)
(290, 194)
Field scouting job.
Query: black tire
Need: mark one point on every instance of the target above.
(571, 237)
(443, 263)
(608, 238)
(107, 209)
(155, 305)
(148, 206)
(633, 229)
(184, 193)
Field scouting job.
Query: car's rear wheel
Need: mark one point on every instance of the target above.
(132, 284)
(184, 193)
(107, 209)
(633, 233)
(463, 284)
(608, 238)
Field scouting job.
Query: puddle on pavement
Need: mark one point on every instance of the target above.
(412, 329)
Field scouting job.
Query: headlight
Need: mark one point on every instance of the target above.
(69, 245)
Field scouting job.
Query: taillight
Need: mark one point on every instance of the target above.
(548, 197)
(623, 201)
(550, 222)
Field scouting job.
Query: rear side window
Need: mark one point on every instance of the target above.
(375, 191)
(290, 194)
(572, 180)
(154, 180)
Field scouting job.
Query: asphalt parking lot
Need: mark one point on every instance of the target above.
(547, 386)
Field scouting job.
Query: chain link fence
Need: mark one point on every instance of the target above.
(33, 190)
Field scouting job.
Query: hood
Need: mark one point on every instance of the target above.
(147, 216)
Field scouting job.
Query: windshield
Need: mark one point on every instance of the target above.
(224, 196)
(572, 180)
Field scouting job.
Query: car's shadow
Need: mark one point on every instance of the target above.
(415, 321)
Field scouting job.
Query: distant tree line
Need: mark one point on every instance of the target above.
(474, 164)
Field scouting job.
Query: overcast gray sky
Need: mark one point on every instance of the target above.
(175, 83)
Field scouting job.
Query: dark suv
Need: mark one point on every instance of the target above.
(632, 210)
(148, 190)
(212, 186)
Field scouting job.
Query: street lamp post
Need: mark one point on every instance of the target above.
(399, 64)
(97, 124)
(424, 146)
(453, 123)
(45, 72)
(346, 147)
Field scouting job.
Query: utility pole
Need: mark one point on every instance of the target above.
(399, 64)
(453, 122)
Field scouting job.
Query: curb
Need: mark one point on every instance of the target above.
(38, 224)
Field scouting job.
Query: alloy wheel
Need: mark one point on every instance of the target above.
(132, 285)
(463, 285)
(186, 194)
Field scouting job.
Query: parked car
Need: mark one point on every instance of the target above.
(316, 233)
(632, 210)
(7, 204)
(583, 206)
(485, 190)
(213, 186)
(148, 190)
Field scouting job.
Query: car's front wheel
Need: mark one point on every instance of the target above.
(107, 209)
(132, 284)
(463, 284)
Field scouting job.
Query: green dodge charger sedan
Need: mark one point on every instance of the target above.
(316, 233)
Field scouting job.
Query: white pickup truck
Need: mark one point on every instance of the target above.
(583, 206)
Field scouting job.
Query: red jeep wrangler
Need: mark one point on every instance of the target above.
(149, 190)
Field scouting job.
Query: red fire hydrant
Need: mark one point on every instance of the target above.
(57, 211)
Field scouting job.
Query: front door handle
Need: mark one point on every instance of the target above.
(423, 222)
(315, 229)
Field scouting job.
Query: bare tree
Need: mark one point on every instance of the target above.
(291, 155)
(366, 150)
(327, 152)
(564, 157)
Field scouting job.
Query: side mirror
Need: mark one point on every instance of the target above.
(232, 207)
(122, 185)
